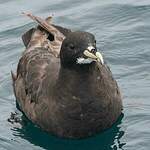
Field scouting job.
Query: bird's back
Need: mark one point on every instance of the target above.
(38, 68)
(36, 75)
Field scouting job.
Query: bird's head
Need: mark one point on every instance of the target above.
(79, 48)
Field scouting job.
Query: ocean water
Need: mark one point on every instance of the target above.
(122, 30)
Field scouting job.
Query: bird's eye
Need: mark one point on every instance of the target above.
(71, 46)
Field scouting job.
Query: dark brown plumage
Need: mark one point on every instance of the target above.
(74, 100)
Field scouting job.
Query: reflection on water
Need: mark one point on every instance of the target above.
(109, 139)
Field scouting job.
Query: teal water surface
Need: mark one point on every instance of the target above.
(122, 30)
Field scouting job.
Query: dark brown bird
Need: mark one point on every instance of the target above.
(62, 83)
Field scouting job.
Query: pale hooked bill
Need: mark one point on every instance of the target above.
(91, 57)
(95, 57)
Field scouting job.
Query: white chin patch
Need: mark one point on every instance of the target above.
(84, 61)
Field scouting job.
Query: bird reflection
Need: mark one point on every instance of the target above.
(107, 140)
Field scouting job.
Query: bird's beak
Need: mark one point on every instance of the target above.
(96, 56)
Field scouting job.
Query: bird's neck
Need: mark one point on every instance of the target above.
(78, 68)
(77, 71)
(75, 79)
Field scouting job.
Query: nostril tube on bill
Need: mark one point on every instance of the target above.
(93, 50)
